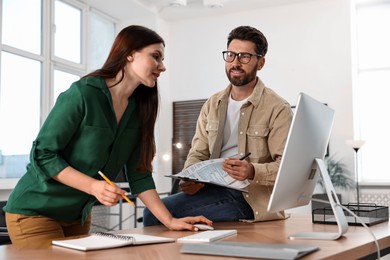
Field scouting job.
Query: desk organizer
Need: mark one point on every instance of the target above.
(370, 214)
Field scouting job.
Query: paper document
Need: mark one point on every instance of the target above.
(211, 172)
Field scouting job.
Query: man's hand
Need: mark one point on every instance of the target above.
(238, 169)
(190, 187)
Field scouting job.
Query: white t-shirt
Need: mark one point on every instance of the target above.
(230, 132)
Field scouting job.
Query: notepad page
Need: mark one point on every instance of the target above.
(96, 241)
(206, 236)
(92, 242)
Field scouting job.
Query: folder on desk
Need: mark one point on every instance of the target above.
(251, 250)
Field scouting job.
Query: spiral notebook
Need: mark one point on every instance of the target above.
(104, 240)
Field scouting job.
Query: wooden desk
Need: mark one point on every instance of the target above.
(355, 244)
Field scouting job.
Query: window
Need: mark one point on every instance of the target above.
(67, 35)
(101, 35)
(20, 79)
(372, 88)
(22, 25)
(43, 50)
(19, 111)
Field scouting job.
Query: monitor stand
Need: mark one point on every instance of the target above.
(334, 202)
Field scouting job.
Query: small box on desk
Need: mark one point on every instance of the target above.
(370, 214)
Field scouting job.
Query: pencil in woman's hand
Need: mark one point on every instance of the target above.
(112, 184)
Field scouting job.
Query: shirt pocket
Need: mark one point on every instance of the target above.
(212, 128)
(212, 131)
(257, 142)
(91, 146)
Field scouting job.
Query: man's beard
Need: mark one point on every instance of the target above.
(244, 80)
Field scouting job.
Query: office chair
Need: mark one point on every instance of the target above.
(4, 237)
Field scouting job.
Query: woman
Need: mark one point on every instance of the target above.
(103, 122)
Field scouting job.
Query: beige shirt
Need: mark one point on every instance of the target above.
(263, 127)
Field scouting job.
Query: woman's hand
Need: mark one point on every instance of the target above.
(153, 202)
(186, 223)
(107, 194)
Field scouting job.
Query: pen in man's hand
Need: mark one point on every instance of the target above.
(112, 184)
(245, 156)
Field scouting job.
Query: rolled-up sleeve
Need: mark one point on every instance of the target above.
(138, 181)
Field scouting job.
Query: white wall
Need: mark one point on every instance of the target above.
(309, 51)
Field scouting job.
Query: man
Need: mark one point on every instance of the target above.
(245, 117)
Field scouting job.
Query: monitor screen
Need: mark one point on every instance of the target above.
(303, 155)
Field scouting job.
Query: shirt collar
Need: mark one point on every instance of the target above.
(254, 98)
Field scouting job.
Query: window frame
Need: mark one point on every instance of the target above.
(83, 38)
(49, 62)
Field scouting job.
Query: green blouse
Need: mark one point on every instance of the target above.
(81, 131)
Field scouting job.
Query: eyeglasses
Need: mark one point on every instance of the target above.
(243, 57)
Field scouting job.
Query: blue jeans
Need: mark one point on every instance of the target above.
(215, 203)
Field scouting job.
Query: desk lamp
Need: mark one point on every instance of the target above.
(356, 145)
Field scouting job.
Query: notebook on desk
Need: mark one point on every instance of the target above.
(250, 250)
(103, 240)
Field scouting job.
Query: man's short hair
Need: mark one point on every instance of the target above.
(248, 33)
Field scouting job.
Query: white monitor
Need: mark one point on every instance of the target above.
(302, 163)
